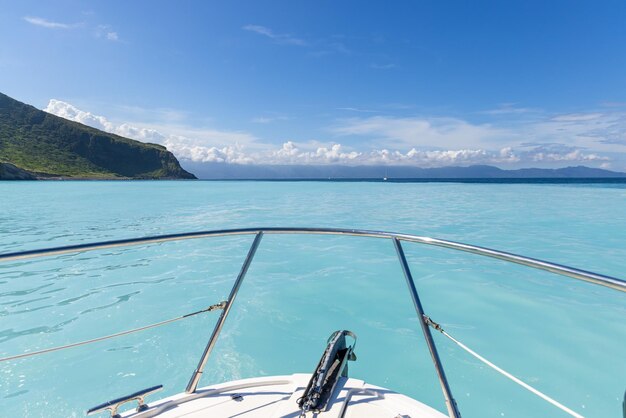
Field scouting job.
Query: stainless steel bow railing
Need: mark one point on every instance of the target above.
(587, 276)
(396, 238)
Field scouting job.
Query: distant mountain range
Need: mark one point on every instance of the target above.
(236, 171)
(36, 144)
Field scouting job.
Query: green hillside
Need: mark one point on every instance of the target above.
(50, 146)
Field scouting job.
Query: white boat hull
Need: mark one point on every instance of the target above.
(276, 396)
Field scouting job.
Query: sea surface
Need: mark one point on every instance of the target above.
(567, 338)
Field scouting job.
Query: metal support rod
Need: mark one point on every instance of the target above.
(450, 402)
(197, 374)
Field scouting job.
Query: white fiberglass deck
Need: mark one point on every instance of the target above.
(276, 396)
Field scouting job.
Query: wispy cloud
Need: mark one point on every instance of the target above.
(315, 47)
(356, 109)
(408, 132)
(509, 109)
(613, 104)
(39, 21)
(99, 31)
(332, 47)
(268, 119)
(107, 32)
(389, 66)
(599, 131)
(577, 117)
(279, 38)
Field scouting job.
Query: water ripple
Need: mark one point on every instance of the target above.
(9, 334)
(120, 299)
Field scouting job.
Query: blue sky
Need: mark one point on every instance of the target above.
(507, 83)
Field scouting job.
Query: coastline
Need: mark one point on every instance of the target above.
(529, 180)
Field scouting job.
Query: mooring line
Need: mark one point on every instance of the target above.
(217, 306)
(503, 372)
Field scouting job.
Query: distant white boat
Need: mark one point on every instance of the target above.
(327, 392)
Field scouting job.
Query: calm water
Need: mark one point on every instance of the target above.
(564, 337)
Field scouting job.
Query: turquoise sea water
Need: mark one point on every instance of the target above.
(565, 337)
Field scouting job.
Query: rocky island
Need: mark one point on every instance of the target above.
(37, 145)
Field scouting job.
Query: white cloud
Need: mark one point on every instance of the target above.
(218, 146)
(67, 111)
(289, 153)
(190, 149)
(440, 158)
(288, 150)
(140, 134)
(576, 155)
(439, 132)
(106, 32)
(39, 21)
(190, 143)
(561, 153)
(280, 38)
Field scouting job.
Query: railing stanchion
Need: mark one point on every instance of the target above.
(195, 378)
(453, 410)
